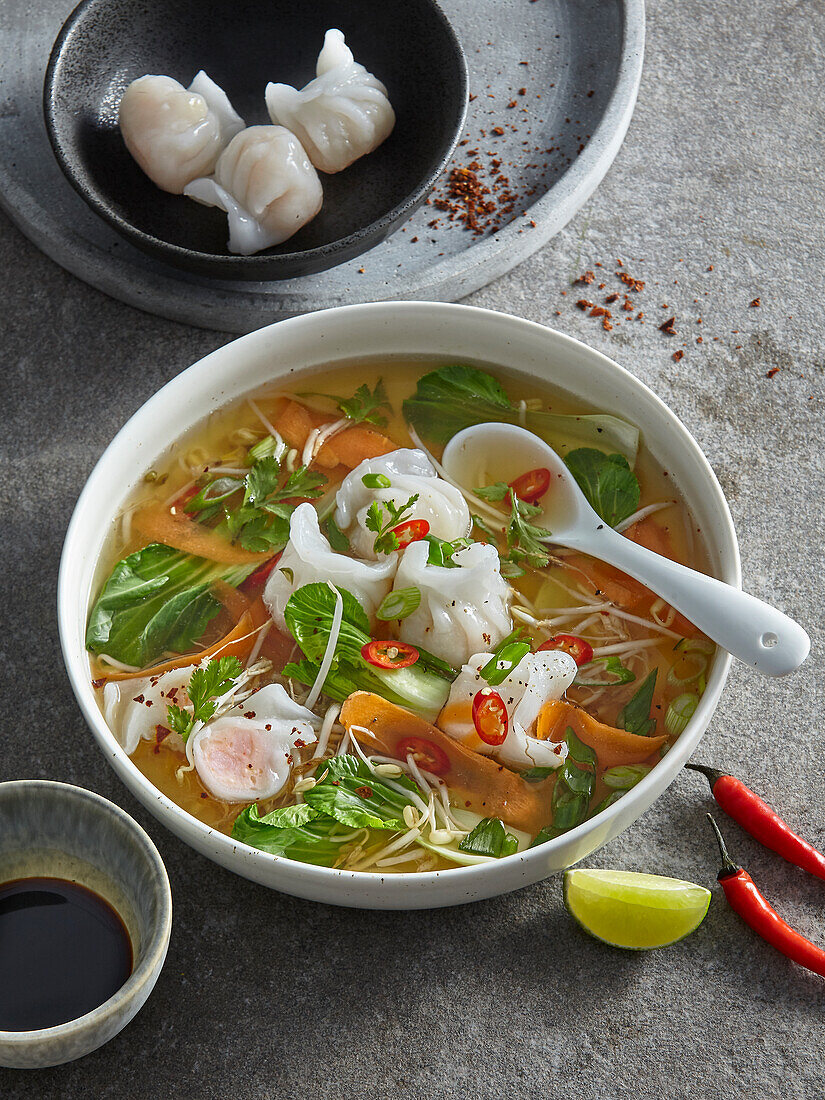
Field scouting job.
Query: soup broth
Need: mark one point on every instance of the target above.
(617, 665)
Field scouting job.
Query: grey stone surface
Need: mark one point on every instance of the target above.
(266, 996)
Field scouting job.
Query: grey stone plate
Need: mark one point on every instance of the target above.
(579, 64)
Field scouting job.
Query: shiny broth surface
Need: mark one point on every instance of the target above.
(570, 596)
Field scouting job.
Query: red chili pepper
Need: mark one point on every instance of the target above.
(580, 650)
(532, 486)
(390, 654)
(428, 755)
(261, 574)
(490, 717)
(757, 818)
(748, 902)
(185, 496)
(412, 531)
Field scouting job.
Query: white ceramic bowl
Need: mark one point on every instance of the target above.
(282, 351)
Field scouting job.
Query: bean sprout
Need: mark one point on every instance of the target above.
(643, 513)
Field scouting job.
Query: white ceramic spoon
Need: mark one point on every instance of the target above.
(751, 630)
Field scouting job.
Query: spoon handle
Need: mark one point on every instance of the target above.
(751, 630)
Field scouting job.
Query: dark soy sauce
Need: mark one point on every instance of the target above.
(63, 952)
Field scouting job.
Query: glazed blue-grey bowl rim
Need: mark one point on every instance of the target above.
(152, 953)
(347, 248)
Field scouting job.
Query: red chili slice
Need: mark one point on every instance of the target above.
(185, 496)
(531, 486)
(412, 531)
(490, 717)
(390, 654)
(580, 650)
(428, 755)
(261, 574)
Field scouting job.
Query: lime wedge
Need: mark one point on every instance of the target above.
(628, 909)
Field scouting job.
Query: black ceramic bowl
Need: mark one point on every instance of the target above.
(242, 45)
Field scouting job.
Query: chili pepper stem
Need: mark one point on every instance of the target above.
(728, 866)
(711, 774)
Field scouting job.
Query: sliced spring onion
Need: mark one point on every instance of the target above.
(265, 447)
(376, 481)
(604, 666)
(505, 659)
(399, 604)
(623, 777)
(695, 645)
(693, 660)
(680, 711)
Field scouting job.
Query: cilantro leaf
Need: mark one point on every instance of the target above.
(497, 491)
(525, 540)
(365, 405)
(261, 522)
(206, 686)
(302, 482)
(262, 480)
(386, 540)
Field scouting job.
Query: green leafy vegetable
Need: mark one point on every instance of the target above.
(336, 537)
(422, 687)
(635, 714)
(573, 788)
(366, 404)
(386, 540)
(351, 794)
(206, 686)
(612, 666)
(347, 795)
(489, 838)
(455, 397)
(535, 774)
(299, 837)
(611, 487)
(157, 601)
(614, 796)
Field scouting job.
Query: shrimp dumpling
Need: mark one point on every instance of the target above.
(410, 473)
(266, 185)
(339, 116)
(537, 679)
(248, 753)
(308, 557)
(463, 610)
(176, 134)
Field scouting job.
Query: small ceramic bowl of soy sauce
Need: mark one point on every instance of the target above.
(242, 45)
(85, 918)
